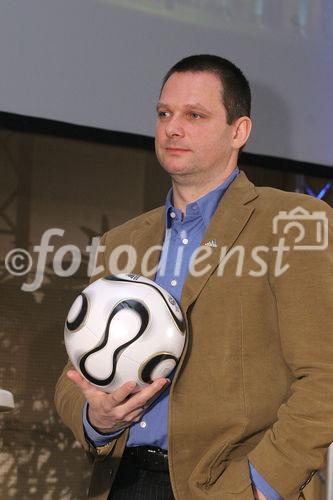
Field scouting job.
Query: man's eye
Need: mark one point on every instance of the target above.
(195, 116)
(162, 114)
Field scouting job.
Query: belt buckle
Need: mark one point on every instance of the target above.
(154, 459)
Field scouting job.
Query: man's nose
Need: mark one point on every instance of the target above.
(174, 128)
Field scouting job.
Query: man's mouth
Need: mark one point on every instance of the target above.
(173, 149)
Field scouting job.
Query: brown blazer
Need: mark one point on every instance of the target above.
(256, 380)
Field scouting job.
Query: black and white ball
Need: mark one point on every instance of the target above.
(124, 327)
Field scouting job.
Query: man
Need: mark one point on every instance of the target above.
(249, 411)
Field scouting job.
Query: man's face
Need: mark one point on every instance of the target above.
(193, 138)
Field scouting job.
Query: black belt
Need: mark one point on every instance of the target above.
(147, 457)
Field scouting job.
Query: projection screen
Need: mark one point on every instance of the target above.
(100, 63)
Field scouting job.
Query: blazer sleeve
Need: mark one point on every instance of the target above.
(295, 446)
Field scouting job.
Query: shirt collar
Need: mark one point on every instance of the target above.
(203, 207)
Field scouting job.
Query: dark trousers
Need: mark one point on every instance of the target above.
(135, 483)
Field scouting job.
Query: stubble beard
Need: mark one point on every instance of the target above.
(186, 175)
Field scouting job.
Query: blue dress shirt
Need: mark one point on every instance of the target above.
(182, 237)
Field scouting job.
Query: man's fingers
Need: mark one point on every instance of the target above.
(86, 388)
(120, 395)
(142, 398)
(136, 415)
(76, 377)
(125, 396)
(258, 495)
(111, 400)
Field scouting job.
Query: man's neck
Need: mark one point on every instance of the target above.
(187, 192)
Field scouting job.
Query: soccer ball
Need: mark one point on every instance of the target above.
(124, 327)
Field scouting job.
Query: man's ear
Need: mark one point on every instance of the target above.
(241, 131)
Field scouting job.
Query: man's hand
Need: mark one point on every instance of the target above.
(112, 412)
(258, 495)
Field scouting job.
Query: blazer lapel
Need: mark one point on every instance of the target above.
(147, 241)
(231, 216)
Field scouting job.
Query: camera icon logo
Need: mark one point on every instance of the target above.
(312, 228)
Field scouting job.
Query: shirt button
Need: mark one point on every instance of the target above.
(143, 424)
(172, 215)
(173, 282)
(185, 241)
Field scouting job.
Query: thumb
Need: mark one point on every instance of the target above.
(87, 389)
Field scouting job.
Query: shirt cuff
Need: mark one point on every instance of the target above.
(260, 483)
(95, 437)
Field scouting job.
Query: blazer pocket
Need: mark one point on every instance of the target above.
(236, 479)
(210, 466)
(215, 471)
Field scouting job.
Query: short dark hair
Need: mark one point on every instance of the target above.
(236, 95)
